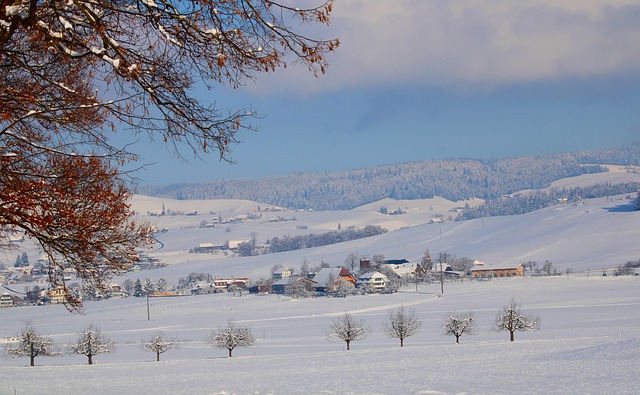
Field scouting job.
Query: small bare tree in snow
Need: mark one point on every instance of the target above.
(232, 336)
(296, 290)
(511, 319)
(159, 344)
(549, 268)
(31, 344)
(347, 329)
(90, 343)
(458, 325)
(341, 287)
(401, 324)
(351, 261)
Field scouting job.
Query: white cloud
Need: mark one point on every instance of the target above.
(473, 44)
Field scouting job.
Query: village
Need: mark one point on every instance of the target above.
(366, 276)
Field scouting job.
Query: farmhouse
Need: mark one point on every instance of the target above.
(114, 290)
(230, 284)
(280, 286)
(373, 282)
(328, 276)
(233, 244)
(207, 248)
(6, 300)
(403, 269)
(483, 271)
(203, 288)
(58, 295)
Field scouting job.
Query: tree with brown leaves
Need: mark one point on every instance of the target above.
(72, 73)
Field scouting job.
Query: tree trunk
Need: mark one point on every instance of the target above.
(90, 359)
(158, 356)
(511, 332)
(401, 342)
(230, 350)
(347, 344)
(32, 354)
(457, 339)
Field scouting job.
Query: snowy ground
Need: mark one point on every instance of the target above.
(589, 344)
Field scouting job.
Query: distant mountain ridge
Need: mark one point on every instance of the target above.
(452, 179)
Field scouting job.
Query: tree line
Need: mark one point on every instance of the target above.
(536, 200)
(452, 179)
(290, 243)
(91, 342)
(400, 324)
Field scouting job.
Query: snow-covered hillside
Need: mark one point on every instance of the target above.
(590, 235)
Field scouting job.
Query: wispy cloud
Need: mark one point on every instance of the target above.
(472, 44)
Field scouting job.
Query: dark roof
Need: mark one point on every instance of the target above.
(396, 261)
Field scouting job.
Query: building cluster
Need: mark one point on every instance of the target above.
(382, 277)
(27, 283)
(370, 277)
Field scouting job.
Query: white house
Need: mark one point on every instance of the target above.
(6, 300)
(373, 281)
(116, 291)
(446, 270)
(58, 295)
(441, 267)
(282, 272)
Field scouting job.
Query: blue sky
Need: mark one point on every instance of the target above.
(430, 79)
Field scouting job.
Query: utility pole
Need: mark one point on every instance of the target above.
(441, 280)
(440, 259)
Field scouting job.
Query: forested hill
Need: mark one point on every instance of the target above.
(453, 179)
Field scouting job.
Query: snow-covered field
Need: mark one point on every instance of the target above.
(589, 343)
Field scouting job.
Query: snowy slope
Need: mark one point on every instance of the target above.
(591, 235)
